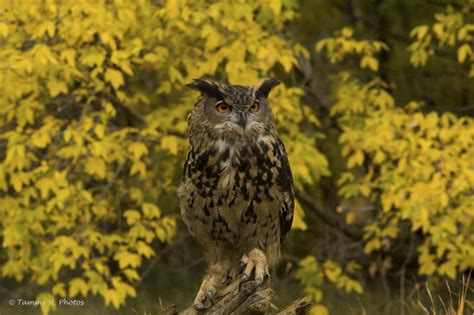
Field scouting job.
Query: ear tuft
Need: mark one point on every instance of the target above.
(205, 86)
(265, 87)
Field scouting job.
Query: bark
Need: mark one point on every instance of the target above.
(243, 299)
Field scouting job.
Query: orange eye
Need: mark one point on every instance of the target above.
(223, 108)
(255, 107)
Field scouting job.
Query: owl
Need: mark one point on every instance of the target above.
(237, 195)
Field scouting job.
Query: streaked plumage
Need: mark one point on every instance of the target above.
(237, 194)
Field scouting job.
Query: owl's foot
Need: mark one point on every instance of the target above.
(255, 261)
(205, 297)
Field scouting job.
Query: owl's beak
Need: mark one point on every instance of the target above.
(242, 120)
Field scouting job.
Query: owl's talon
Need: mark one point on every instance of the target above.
(265, 277)
(199, 306)
(207, 292)
(256, 263)
(210, 295)
(226, 280)
(244, 261)
(258, 282)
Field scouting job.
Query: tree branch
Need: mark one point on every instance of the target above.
(327, 218)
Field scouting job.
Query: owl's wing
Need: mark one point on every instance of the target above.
(287, 192)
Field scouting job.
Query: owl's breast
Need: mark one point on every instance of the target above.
(247, 166)
(230, 190)
(227, 168)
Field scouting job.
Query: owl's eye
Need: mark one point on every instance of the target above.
(255, 107)
(223, 107)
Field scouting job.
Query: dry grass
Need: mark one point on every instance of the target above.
(457, 304)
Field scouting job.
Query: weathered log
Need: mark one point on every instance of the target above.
(237, 298)
(245, 299)
(298, 307)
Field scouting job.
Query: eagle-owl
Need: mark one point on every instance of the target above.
(237, 195)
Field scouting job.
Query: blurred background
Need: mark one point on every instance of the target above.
(375, 111)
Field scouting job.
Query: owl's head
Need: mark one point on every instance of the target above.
(234, 110)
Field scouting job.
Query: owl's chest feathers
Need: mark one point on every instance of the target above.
(227, 169)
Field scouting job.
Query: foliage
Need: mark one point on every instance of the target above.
(343, 45)
(413, 166)
(418, 167)
(451, 29)
(313, 275)
(87, 186)
(93, 132)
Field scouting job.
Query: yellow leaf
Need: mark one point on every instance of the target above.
(372, 245)
(3, 182)
(424, 218)
(107, 39)
(115, 78)
(99, 130)
(95, 166)
(125, 259)
(69, 56)
(170, 143)
(112, 296)
(313, 293)
(4, 30)
(448, 268)
(151, 58)
(78, 285)
(350, 218)
(175, 75)
(275, 5)
(287, 62)
(145, 250)
(56, 87)
(138, 167)
(438, 28)
(379, 157)
(319, 309)
(298, 219)
(138, 149)
(45, 185)
(47, 302)
(44, 56)
(15, 157)
(58, 289)
(126, 15)
(93, 59)
(17, 181)
(347, 32)
(150, 210)
(356, 159)
(40, 139)
(464, 51)
(369, 62)
(50, 28)
(132, 216)
(419, 32)
(131, 274)
(353, 285)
